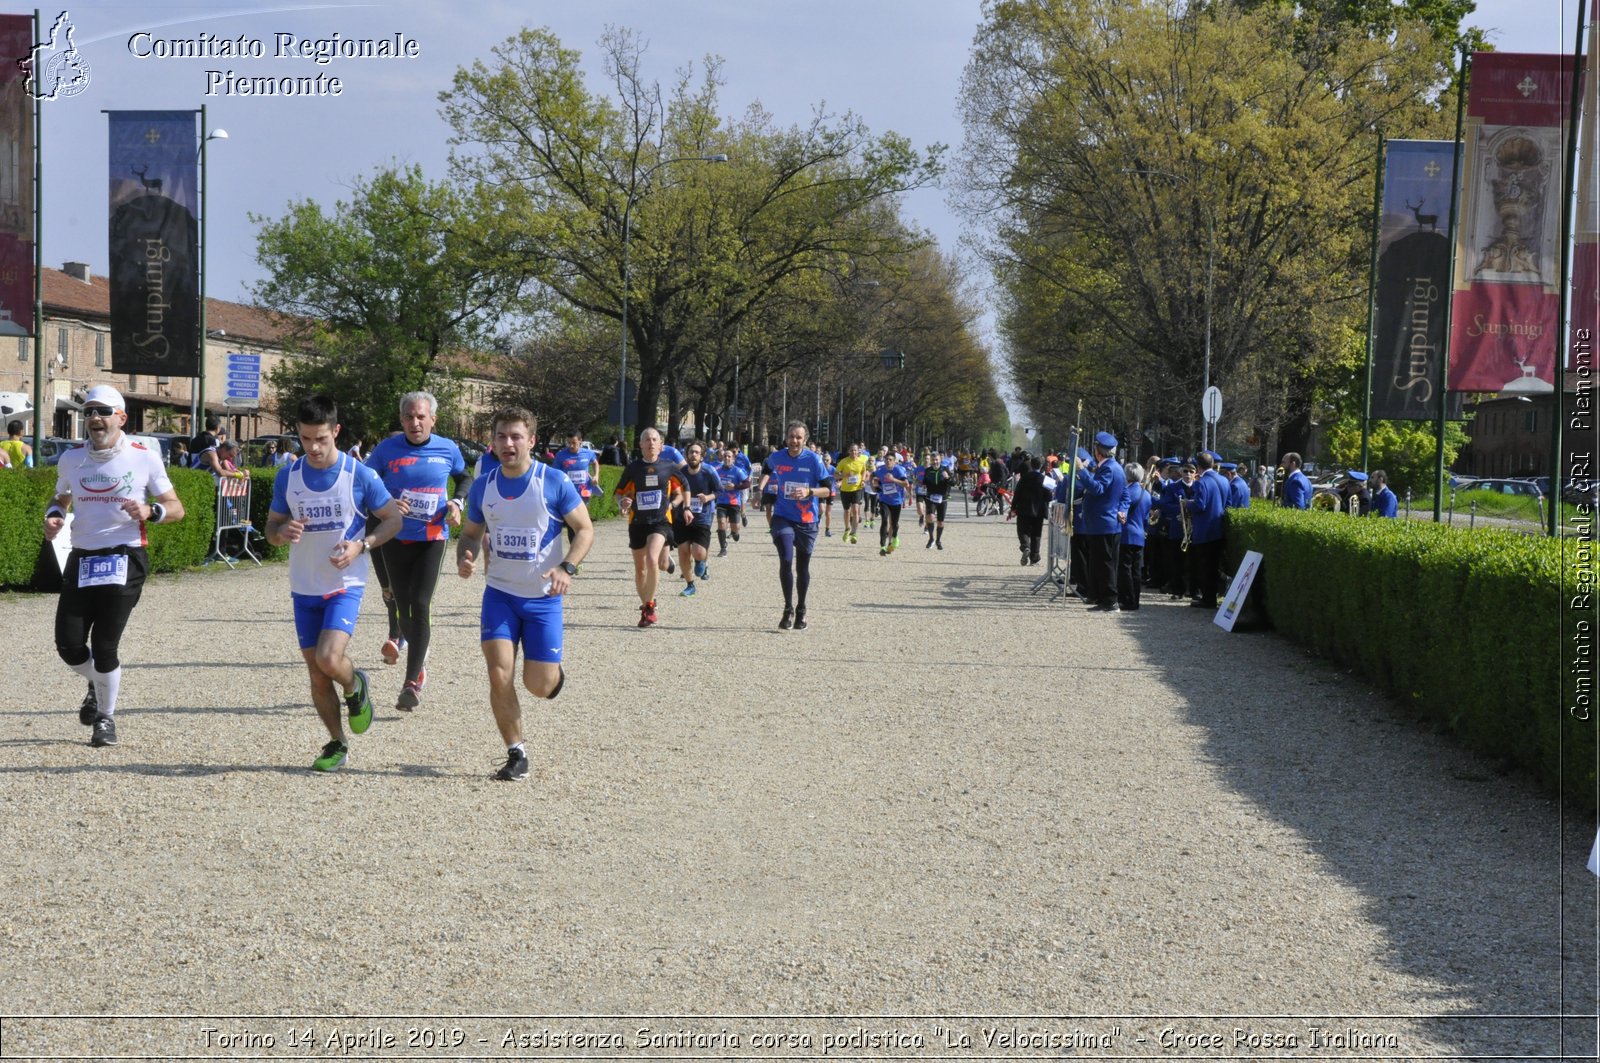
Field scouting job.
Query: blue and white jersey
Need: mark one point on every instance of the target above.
(791, 479)
(921, 488)
(890, 493)
(522, 516)
(672, 454)
(577, 465)
(333, 504)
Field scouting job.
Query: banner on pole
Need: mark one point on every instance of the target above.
(1507, 284)
(1412, 282)
(16, 180)
(155, 241)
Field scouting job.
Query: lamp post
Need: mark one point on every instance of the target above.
(627, 235)
(200, 384)
(1206, 441)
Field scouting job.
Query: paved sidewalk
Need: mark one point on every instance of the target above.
(946, 798)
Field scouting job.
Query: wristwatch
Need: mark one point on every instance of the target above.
(569, 568)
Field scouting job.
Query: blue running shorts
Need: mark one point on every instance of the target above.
(314, 614)
(535, 623)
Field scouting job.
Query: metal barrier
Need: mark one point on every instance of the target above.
(1058, 552)
(233, 514)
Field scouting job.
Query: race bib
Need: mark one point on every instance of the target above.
(796, 491)
(649, 499)
(327, 510)
(652, 481)
(516, 544)
(852, 481)
(109, 570)
(695, 505)
(579, 477)
(424, 504)
(936, 499)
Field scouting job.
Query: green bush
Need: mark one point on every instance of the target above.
(1472, 628)
(24, 495)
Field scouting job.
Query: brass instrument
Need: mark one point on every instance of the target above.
(1188, 522)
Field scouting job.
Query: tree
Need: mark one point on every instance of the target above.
(572, 173)
(387, 293)
(1146, 167)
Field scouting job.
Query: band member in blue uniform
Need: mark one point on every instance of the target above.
(1134, 513)
(1101, 483)
(1238, 489)
(1205, 538)
(1384, 503)
(1296, 486)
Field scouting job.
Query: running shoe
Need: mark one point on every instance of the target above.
(687, 592)
(705, 570)
(411, 694)
(515, 768)
(105, 732)
(699, 570)
(883, 551)
(647, 614)
(89, 710)
(828, 533)
(333, 756)
(723, 552)
(787, 620)
(390, 651)
(745, 522)
(672, 567)
(939, 544)
(736, 536)
(894, 544)
(799, 619)
(929, 546)
(359, 704)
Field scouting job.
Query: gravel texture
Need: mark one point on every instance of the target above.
(945, 798)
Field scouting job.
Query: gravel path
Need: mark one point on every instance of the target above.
(946, 798)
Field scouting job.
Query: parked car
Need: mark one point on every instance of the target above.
(1525, 488)
(52, 447)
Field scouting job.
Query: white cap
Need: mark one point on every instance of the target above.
(105, 395)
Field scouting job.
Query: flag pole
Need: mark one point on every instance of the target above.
(1444, 355)
(1558, 465)
(1372, 300)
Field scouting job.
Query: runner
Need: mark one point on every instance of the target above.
(798, 479)
(851, 475)
(582, 466)
(919, 489)
(731, 483)
(694, 536)
(892, 483)
(827, 503)
(515, 505)
(416, 467)
(318, 503)
(647, 492)
(939, 480)
(670, 453)
(115, 487)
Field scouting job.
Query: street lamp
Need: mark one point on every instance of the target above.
(1206, 442)
(198, 418)
(627, 234)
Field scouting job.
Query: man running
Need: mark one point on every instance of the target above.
(115, 487)
(319, 508)
(851, 475)
(732, 480)
(647, 492)
(694, 537)
(798, 480)
(939, 480)
(516, 507)
(416, 467)
(582, 467)
(892, 482)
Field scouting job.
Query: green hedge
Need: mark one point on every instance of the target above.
(1473, 628)
(24, 495)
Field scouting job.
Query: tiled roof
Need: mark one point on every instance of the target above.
(64, 293)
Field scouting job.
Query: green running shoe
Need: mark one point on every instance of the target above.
(333, 756)
(359, 705)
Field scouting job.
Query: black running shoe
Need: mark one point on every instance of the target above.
(105, 732)
(787, 620)
(515, 768)
(799, 619)
(89, 710)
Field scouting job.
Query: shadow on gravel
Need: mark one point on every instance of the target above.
(193, 771)
(1434, 838)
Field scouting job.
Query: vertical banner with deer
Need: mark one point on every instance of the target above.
(155, 240)
(16, 180)
(1507, 286)
(1413, 280)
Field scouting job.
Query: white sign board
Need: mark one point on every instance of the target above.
(1211, 404)
(1238, 591)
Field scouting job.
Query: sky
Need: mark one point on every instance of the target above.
(896, 63)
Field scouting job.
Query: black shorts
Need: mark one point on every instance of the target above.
(640, 530)
(850, 498)
(696, 534)
(729, 511)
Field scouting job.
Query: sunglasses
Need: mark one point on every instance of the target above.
(98, 411)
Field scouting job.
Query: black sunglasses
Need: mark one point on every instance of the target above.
(98, 411)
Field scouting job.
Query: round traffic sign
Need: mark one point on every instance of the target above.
(1211, 404)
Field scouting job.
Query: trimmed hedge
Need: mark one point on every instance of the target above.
(1473, 628)
(24, 495)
